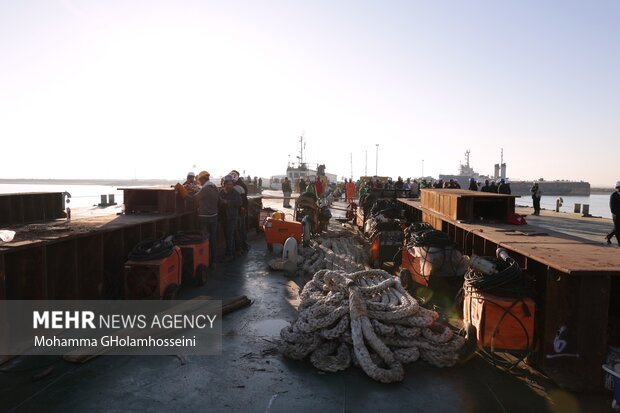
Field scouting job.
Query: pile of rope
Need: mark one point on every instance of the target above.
(422, 234)
(366, 318)
(188, 238)
(437, 252)
(152, 249)
(508, 281)
(334, 250)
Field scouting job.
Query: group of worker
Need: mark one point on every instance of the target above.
(227, 206)
(304, 184)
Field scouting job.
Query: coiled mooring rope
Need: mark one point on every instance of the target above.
(368, 319)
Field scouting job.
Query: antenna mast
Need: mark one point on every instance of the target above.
(351, 165)
(301, 149)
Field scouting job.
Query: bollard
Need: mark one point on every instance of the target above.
(586, 210)
(577, 208)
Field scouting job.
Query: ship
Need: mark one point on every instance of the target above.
(300, 169)
(518, 187)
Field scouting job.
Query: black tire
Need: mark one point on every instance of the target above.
(201, 275)
(171, 292)
(269, 247)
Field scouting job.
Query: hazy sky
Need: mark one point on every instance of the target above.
(118, 89)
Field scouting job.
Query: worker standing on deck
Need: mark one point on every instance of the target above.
(473, 186)
(614, 206)
(399, 183)
(504, 187)
(536, 194)
(190, 184)
(287, 191)
(241, 232)
(486, 187)
(350, 188)
(302, 185)
(208, 200)
(318, 187)
(231, 202)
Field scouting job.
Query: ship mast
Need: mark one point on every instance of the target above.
(301, 150)
(467, 152)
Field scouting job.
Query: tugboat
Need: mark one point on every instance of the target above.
(300, 169)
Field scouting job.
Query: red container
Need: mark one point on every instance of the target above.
(412, 264)
(277, 231)
(154, 279)
(502, 323)
(195, 261)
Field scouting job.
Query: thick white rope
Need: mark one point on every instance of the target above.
(366, 318)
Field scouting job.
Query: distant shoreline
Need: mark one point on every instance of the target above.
(601, 190)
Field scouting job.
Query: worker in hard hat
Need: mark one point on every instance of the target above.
(208, 200)
(190, 184)
(230, 200)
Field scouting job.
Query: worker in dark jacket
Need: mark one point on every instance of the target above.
(614, 206)
(486, 187)
(208, 200)
(473, 186)
(241, 243)
(231, 202)
(503, 187)
(536, 195)
(287, 190)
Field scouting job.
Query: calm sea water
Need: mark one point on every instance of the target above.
(81, 195)
(599, 203)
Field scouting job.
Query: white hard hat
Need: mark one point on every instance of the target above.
(617, 184)
(191, 174)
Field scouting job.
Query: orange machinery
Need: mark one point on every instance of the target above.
(413, 265)
(154, 279)
(195, 261)
(277, 230)
(195, 250)
(502, 323)
(263, 214)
